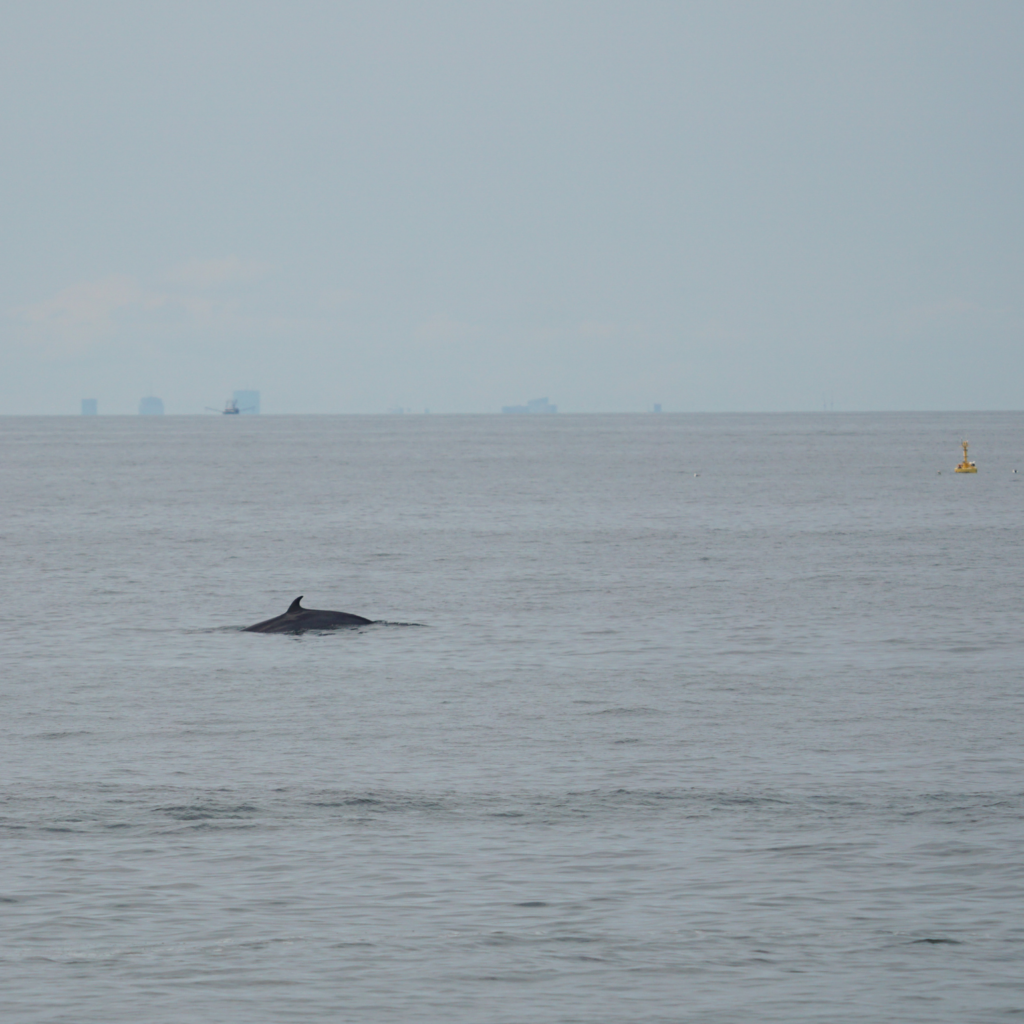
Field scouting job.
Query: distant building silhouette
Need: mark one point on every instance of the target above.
(151, 406)
(657, 406)
(533, 407)
(90, 407)
(248, 402)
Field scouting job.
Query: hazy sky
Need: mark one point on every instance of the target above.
(463, 205)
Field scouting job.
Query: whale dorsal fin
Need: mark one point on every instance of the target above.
(295, 606)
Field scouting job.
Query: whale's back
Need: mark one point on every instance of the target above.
(298, 619)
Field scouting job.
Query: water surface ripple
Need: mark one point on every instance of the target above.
(703, 718)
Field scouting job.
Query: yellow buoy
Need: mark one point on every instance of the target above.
(965, 466)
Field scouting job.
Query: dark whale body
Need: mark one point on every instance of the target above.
(297, 619)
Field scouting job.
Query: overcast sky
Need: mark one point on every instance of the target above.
(463, 205)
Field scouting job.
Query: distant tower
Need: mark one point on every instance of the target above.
(151, 406)
(89, 407)
(248, 402)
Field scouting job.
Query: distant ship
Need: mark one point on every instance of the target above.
(230, 408)
(966, 466)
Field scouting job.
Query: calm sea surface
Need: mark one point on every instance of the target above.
(669, 718)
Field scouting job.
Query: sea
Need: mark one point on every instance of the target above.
(661, 718)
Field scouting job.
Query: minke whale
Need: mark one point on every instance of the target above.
(297, 619)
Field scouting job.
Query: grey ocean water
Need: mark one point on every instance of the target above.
(635, 744)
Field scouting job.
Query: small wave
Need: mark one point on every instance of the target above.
(385, 803)
(205, 812)
(627, 711)
(349, 801)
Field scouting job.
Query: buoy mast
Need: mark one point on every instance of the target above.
(966, 466)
